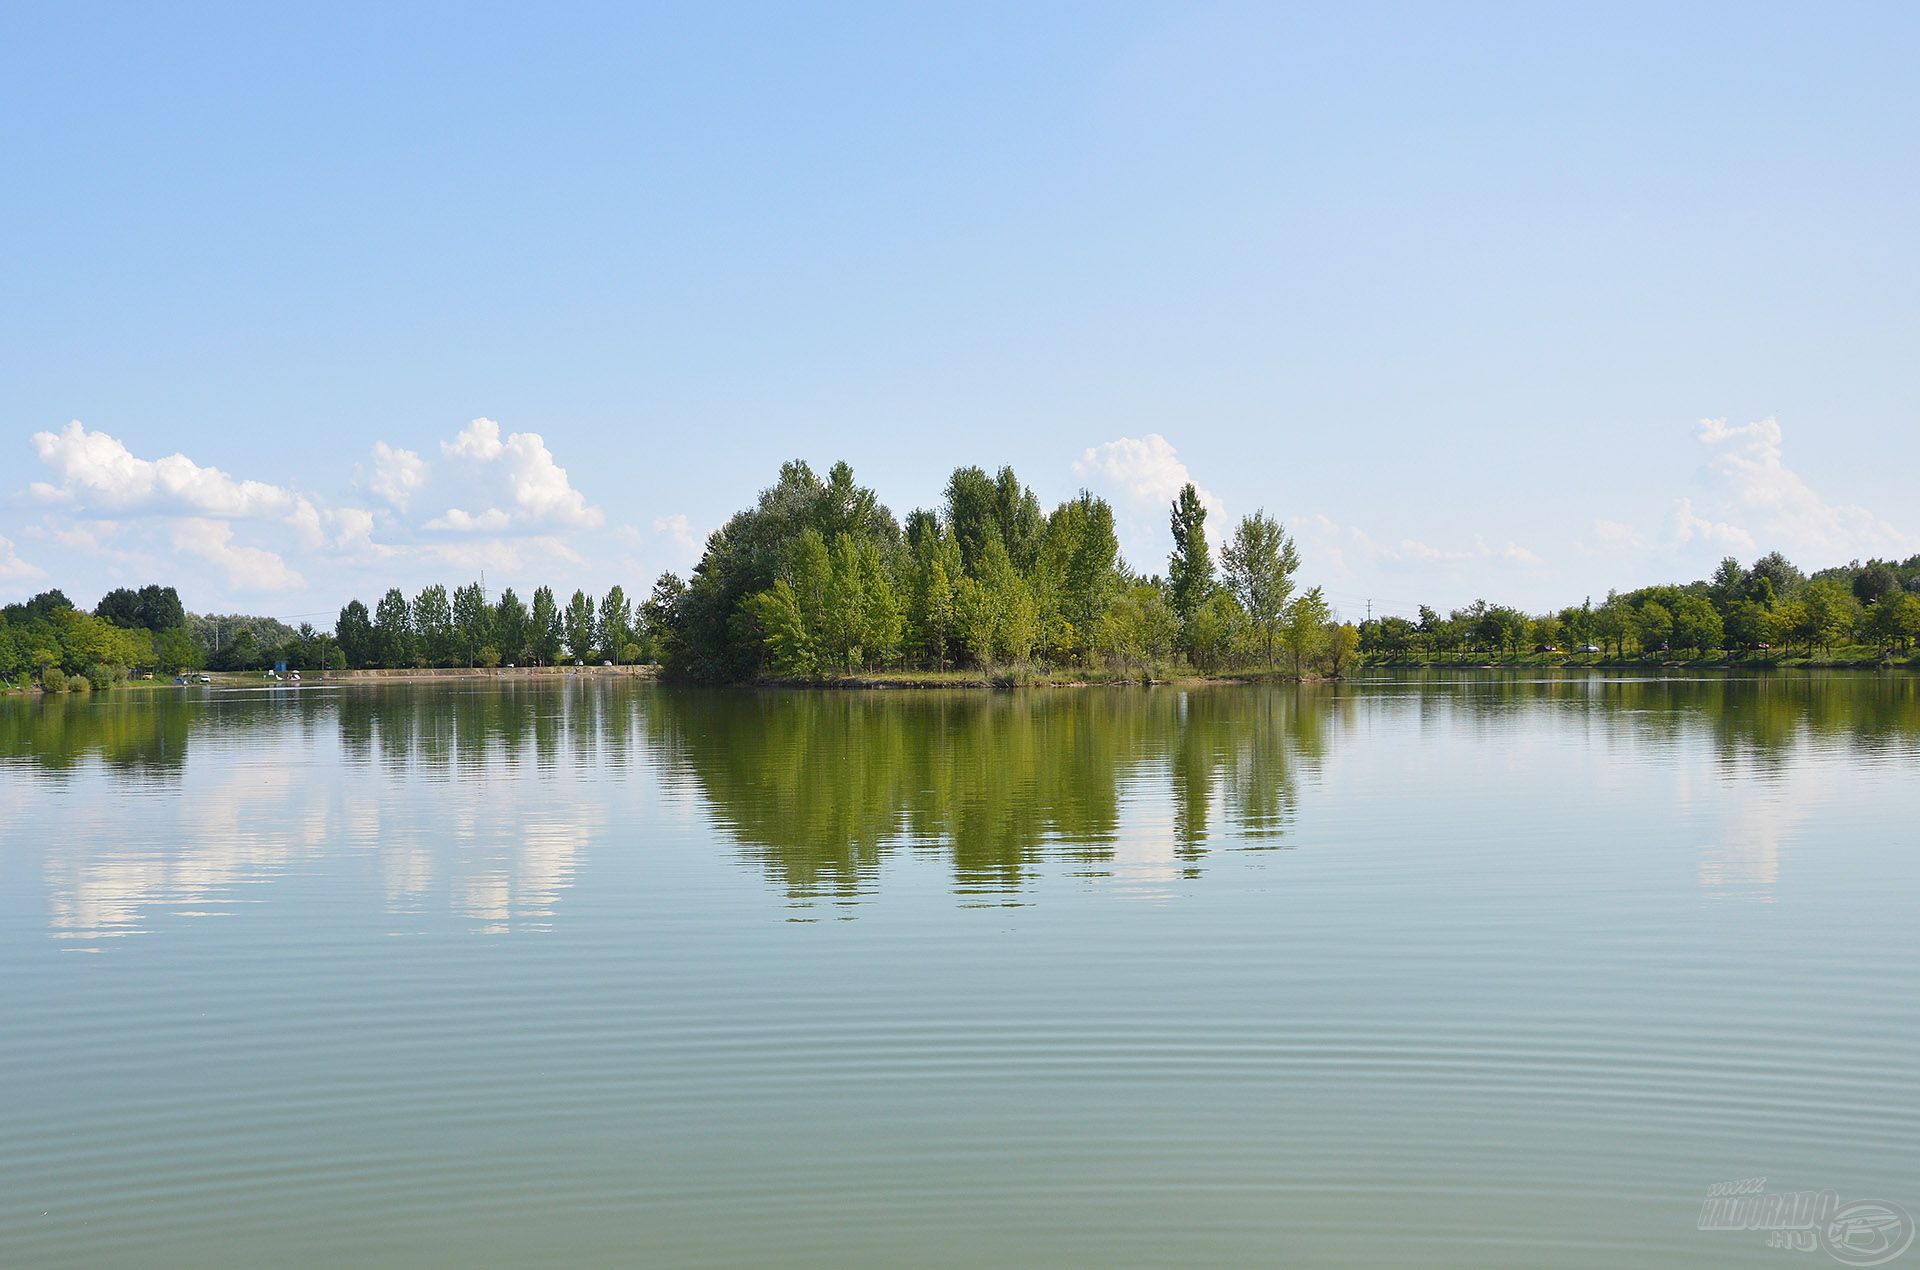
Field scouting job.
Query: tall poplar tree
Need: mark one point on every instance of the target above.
(1190, 567)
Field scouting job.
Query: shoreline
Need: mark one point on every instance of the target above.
(975, 680)
(229, 680)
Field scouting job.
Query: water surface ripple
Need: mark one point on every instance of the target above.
(1439, 971)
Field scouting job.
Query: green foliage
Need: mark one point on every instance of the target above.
(103, 678)
(510, 628)
(1768, 608)
(175, 651)
(581, 623)
(1343, 647)
(1190, 567)
(1894, 622)
(1139, 629)
(151, 608)
(660, 618)
(1696, 625)
(434, 643)
(1304, 628)
(981, 510)
(1216, 629)
(354, 630)
(790, 645)
(616, 626)
(472, 622)
(543, 628)
(393, 637)
(1260, 562)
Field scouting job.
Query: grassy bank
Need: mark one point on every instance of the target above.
(234, 679)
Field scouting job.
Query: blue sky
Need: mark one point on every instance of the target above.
(1458, 291)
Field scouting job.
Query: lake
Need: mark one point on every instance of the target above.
(1448, 970)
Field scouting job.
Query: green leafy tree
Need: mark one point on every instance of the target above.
(1773, 577)
(790, 645)
(1343, 647)
(1696, 625)
(1216, 630)
(1613, 625)
(882, 615)
(1895, 620)
(1190, 567)
(934, 561)
(844, 621)
(1304, 629)
(121, 606)
(1260, 562)
(511, 628)
(661, 618)
(616, 623)
(1653, 627)
(12, 662)
(175, 651)
(433, 625)
(1875, 581)
(543, 628)
(1091, 558)
(1831, 611)
(472, 620)
(1746, 625)
(1792, 621)
(393, 639)
(1728, 584)
(582, 626)
(980, 509)
(354, 630)
(976, 618)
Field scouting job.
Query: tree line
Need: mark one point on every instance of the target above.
(48, 641)
(464, 628)
(818, 578)
(1769, 608)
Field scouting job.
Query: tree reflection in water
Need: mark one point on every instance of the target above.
(819, 789)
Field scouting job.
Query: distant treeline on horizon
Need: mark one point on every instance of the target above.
(818, 579)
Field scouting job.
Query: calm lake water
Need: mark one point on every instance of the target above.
(1453, 971)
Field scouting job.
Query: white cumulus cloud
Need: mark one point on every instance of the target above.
(536, 488)
(1755, 493)
(97, 470)
(492, 520)
(1746, 500)
(397, 474)
(679, 532)
(1689, 526)
(1146, 471)
(246, 568)
(12, 567)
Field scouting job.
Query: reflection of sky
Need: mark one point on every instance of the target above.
(237, 829)
(479, 832)
(493, 849)
(512, 880)
(1749, 812)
